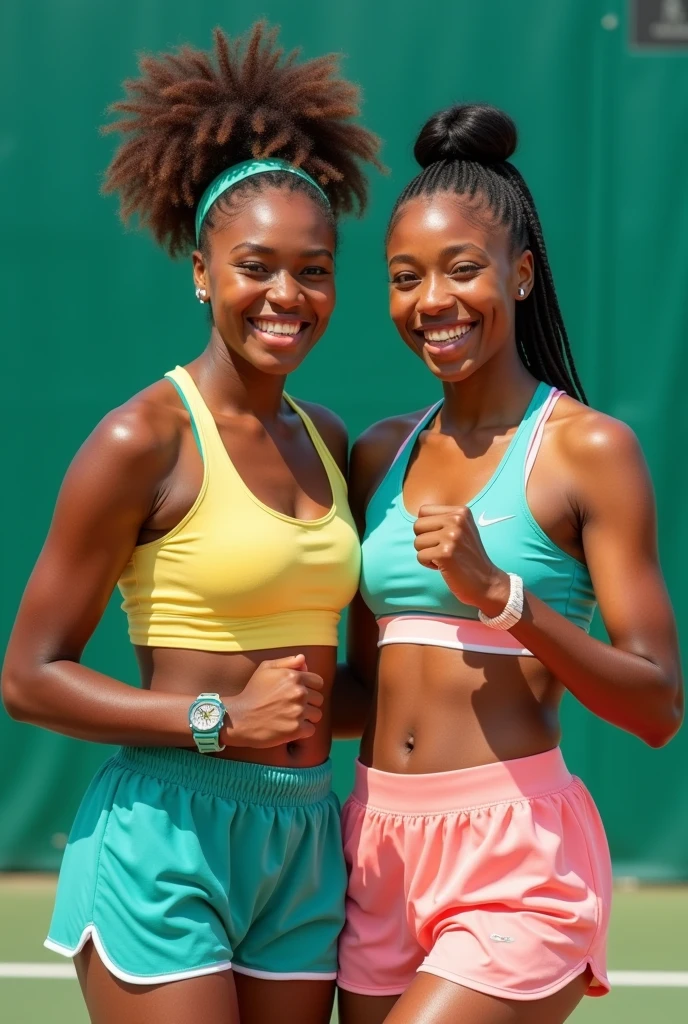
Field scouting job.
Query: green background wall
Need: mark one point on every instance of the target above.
(91, 314)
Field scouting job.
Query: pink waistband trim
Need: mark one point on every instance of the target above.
(464, 789)
(443, 631)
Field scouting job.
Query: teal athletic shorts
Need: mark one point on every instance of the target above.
(180, 864)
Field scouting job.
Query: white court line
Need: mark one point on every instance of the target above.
(37, 971)
(624, 979)
(649, 979)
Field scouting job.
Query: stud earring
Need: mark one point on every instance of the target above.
(521, 292)
(200, 295)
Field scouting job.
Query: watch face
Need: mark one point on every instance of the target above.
(206, 717)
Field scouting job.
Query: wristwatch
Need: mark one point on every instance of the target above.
(206, 715)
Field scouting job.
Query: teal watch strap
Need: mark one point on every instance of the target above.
(207, 741)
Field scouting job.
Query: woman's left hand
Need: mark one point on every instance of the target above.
(447, 539)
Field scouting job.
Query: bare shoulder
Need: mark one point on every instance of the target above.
(374, 451)
(325, 419)
(119, 469)
(384, 437)
(331, 428)
(603, 466)
(144, 432)
(587, 437)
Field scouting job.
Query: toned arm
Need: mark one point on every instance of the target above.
(635, 682)
(106, 497)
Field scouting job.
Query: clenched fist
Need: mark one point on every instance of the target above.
(281, 702)
(447, 539)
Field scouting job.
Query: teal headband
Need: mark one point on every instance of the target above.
(233, 175)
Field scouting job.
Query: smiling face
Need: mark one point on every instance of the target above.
(269, 275)
(454, 283)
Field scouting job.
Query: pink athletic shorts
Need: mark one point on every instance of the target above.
(496, 877)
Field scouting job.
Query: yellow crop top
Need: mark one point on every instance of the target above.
(235, 575)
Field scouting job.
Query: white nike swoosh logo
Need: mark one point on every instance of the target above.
(490, 522)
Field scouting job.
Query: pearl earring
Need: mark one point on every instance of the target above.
(201, 294)
(521, 292)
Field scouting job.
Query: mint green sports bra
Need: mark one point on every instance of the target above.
(413, 603)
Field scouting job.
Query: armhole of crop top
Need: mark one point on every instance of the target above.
(173, 531)
(194, 428)
(396, 470)
(537, 435)
(531, 456)
(325, 455)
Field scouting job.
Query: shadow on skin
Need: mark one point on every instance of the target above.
(530, 698)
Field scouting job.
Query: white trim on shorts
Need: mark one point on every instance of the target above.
(91, 932)
(280, 976)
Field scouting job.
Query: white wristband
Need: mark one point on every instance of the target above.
(513, 609)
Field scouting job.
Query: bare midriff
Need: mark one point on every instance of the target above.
(438, 710)
(173, 670)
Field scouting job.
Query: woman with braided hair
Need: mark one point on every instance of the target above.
(494, 522)
(211, 840)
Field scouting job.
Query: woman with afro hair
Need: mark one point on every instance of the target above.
(218, 504)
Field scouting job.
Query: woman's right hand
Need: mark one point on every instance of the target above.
(281, 702)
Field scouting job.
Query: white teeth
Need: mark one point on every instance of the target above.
(278, 326)
(447, 335)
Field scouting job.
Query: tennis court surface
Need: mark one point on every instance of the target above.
(648, 958)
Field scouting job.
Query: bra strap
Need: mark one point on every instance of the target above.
(410, 440)
(202, 422)
(538, 431)
(326, 456)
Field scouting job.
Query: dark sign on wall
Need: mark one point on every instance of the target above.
(659, 24)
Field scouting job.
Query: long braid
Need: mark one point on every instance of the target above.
(545, 292)
(465, 151)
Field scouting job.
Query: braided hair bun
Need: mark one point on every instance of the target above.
(465, 151)
(467, 131)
